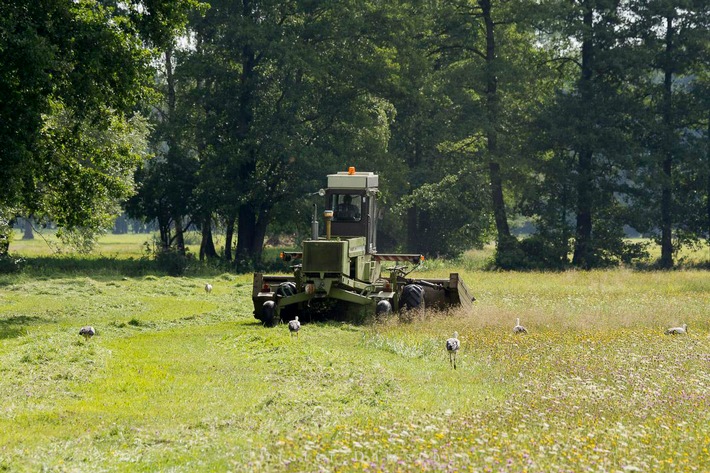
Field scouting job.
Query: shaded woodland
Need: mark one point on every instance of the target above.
(582, 119)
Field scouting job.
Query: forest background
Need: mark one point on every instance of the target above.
(585, 120)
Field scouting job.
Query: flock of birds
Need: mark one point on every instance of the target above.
(453, 344)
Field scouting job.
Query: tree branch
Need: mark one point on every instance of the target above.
(457, 47)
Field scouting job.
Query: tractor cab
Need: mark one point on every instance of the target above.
(351, 203)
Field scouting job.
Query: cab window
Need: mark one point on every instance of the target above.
(347, 207)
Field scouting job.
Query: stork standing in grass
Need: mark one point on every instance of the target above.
(678, 330)
(452, 346)
(87, 332)
(294, 326)
(519, 328)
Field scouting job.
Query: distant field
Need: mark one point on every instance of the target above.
(130, 245)
(179, 380)
(134, 246)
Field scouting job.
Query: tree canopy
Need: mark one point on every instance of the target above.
(72, 75)
(583, 119)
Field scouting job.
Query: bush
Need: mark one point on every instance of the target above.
(532, 253)
(5, 233)
(11, 264)
(173, 262)
(451, 215)
(541, 254)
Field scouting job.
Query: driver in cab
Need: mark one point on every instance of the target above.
(346, 210)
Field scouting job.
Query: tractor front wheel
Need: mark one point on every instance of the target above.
(383, 307)
(268, 313)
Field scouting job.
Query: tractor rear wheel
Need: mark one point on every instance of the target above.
(286, 289)
(412, 297)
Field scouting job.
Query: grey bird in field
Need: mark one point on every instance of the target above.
(87, 332)
(678, 330)
(452, 346)
(294, 326)
(208, 288)
(519, 328)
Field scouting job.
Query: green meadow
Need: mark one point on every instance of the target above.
(180, 380)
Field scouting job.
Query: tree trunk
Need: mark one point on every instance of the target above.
(172, 142)
(207, 249)
(170, 80)
(707, 197)
(164, 227)
(412, 230)
(244, 259)
(498, 203)
(667, 164)
(28, 234)
(583, 236)
(251, 232)
(582, 245)
(492, 110)
(228, 238)
(566, 235)
(179, 235)
(413, 236)
(257, 248)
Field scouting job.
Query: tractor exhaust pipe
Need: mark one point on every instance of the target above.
(314, 223)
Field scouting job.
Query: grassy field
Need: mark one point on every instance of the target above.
(132, 245)
(181, 380)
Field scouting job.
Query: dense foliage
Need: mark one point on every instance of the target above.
(583, 118)
(71, 76)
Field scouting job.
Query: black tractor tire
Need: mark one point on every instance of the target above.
(384, 307)
(268, 313)
(412, 297)
(286, 289)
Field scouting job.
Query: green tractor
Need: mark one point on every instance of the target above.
(341, 275)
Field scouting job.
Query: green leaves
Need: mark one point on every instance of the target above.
(586, 115)
(87, 166)
(71, 76)
(453, 214)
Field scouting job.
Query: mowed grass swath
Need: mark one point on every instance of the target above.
(178, 379)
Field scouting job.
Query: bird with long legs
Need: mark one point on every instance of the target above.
(452, 346)
(294, 326)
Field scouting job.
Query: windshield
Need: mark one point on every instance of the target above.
(346, 207)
